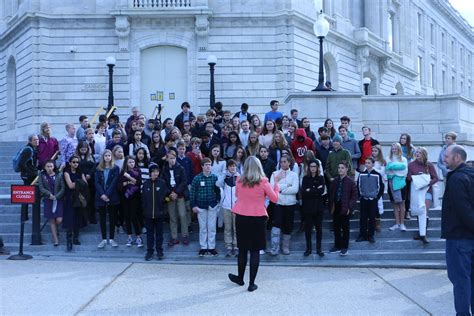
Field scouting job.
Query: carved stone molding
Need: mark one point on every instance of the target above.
(363, 54)
(384, 64)
(202, 31)
(122, 29)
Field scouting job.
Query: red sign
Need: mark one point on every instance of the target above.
(22, 194)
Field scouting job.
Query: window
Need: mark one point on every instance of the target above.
(461, 58)
(462, 87)
(418, 24)
(390, 31)
(453, 84)
(469, 64)
(452, 50)
(431, 77)
(420, 69)
(443, 80)
(432, 34)
(443, 42)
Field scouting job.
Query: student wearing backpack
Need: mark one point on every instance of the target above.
(26, 160)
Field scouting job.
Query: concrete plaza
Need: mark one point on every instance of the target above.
(64, 287)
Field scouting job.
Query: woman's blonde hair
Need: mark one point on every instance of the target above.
(424, 155)
(253, 172)
(283, 143)
(380, 157)
(399, 151)
(101, 165)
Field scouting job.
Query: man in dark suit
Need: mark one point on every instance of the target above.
(243, 114)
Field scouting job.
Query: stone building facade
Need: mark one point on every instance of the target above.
(52, 57)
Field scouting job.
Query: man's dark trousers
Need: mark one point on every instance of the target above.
(460, 264)
(154, 234)
(368, 212)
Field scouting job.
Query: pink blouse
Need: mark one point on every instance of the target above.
(251, 201)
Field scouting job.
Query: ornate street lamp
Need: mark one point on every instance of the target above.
(321, 30)
(366, 81)
(212, 61)
(110, 61)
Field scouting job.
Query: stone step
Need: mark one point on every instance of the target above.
(6, 207)
(13, 218)
(91, 235)
(296, 256)
(297, 243)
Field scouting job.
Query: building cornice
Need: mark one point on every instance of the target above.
(445, 7)
(36, 15)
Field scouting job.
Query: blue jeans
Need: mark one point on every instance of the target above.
(460, 264)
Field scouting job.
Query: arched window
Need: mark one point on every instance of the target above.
(330, 70)
(12, 110)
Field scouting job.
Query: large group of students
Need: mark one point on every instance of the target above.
(136, 174)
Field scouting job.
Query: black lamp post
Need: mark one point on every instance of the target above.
(212, 61)
(366, 81)
(321, 30)
(110, 61)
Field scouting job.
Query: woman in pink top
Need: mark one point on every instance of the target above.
(251, 218)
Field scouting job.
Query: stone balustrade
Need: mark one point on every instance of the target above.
(160, 4)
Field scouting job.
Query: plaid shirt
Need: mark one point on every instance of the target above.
(204, 192)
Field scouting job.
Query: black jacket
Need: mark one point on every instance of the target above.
(28, 163)
(457, 216)
(178, 121)
(269, 166)
(206, 147)
(365, 186)
(312, 189)
(181, 187)
(247, 114)
(153, 195)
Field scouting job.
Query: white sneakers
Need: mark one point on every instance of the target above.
(402, 227)
(395, 227)
(102, 244)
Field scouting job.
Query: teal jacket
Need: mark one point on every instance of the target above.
(398, 181)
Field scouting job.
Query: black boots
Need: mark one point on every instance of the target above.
(69, 241)
(424, 240)
(75, 238)
(309, 246)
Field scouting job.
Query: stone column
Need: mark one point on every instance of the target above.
(327, 7)
(372, 16)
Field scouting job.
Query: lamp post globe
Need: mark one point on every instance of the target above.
(110, 62)
(321, 30)
(366, 81)
(212, 61)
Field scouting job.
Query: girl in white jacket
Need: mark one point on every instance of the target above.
(228, 199)
(285, 207)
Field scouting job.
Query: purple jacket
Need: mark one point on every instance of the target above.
(46, 149)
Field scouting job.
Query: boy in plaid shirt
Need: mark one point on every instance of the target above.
(205, 197)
